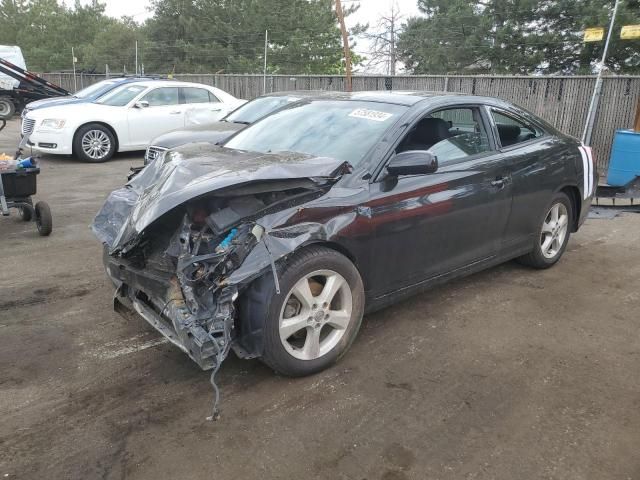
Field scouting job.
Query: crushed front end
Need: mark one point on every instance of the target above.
(180, 264)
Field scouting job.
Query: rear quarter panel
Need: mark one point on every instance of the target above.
(538, 171)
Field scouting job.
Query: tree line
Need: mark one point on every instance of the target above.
(228, 36)
(516, 37)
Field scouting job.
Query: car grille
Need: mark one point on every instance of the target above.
(152, 153)
(27, 126)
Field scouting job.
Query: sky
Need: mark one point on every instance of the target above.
(369, 12)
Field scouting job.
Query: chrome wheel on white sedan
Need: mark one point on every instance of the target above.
(96, 144)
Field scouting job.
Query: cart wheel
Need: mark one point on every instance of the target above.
(44, 221)
(25, 213)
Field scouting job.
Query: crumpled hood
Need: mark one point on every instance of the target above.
(189, 172)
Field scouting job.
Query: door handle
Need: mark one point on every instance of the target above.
(216, 109)
(498, 182)
(175, 112)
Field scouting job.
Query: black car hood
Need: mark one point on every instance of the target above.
(192, 171)
(212, 133)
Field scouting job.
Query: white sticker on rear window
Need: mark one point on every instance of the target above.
(371, 114)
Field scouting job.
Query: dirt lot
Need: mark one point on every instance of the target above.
(508, 374)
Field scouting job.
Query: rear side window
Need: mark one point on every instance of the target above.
(512, 130)
(195, 95)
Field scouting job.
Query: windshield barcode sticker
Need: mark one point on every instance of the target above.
(371, 114)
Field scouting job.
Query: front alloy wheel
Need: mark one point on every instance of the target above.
(316, 314)
(96, 145)
(314, 319)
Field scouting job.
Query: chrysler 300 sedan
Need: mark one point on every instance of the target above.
(276, 243)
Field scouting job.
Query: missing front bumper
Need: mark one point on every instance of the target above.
(173, 323)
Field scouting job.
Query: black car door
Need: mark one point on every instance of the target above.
(429, 225)
(536, 163)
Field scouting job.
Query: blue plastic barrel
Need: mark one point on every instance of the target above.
(624, 163)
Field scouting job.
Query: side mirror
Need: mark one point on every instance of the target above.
(413, 162)
(142, 104)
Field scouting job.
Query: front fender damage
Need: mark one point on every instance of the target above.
(184, 270)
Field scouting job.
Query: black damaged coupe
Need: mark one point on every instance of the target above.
(276, 243)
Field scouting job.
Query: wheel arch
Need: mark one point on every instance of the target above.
(102, 123)
(573, 193)
(249, 343)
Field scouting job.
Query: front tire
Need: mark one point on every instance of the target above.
(94, 143)
(553, 234)
(317, 315)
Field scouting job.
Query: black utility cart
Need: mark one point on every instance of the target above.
(16, 188)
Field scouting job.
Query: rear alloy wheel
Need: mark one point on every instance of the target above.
(553, 235)
(315, 318)
(94, 143)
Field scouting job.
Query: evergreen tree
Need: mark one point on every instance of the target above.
(516, 36)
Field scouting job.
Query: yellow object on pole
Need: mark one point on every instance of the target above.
(595, 34)
(630, 32)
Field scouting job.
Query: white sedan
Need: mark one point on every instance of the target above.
(125, 119)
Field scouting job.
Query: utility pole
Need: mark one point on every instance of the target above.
(264, 72)
(136, 58)
(593, 106)
(75, 82)
(345, 43)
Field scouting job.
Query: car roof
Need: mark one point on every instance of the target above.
(399, 97)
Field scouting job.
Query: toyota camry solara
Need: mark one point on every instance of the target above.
(276, 243)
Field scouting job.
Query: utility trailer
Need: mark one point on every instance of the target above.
(26, 87)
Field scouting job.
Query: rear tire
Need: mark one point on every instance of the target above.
(552, 235)
(94, 143)
(44, 221)
(304, 334)
(7, 108)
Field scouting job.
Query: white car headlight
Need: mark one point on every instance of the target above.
(55, 123)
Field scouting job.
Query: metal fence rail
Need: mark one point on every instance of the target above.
(562, 101)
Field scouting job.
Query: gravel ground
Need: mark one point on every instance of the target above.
(507, 374)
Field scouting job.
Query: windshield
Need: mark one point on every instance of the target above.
(344, 130)
(100, 87)
(258, 108)
(121, 96)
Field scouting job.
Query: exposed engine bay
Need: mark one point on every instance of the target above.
(183, 271)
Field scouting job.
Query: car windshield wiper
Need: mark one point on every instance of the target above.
(243, 123)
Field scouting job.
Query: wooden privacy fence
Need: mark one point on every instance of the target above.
(562, 101)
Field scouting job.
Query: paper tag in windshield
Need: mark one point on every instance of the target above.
(374, 115)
